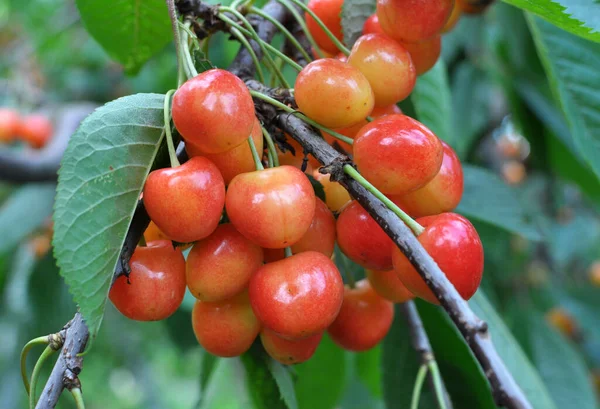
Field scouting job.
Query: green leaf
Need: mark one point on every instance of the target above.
(284, 381)
(513, 356)
(262, 386)
(24, 211)
(368, 370)
(580, 17)
(321, 379)
(131, 31)
(99, 183)
(572, 65)
(317, 187)
(226, 388)
(354, 15)
(487, 198)
(433, 104)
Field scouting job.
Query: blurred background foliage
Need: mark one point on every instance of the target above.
(504, 118)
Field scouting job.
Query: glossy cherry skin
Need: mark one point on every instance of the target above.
(9, 124)
(333, 93)
(156, 284)
(452, 241)
(372, 25)
(387, 65)
(298, 296)
(287, 351)
(272, 207)
(219, 266)
(225, 328)
(413, 20)
(36, 130)
(364, 319)
(214, 111)
(424, 54)
(335, 194)
(234, 161)
(442, 194)
(186, 202)
(362, 239)
(388, 285)
(329, 12)
(397, 154)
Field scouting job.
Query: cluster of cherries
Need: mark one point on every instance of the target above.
(35, 129)
(261, 262)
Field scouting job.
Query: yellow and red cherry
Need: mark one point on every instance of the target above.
(425, 53)
(388, 285)
(329, 12)
(36, 130)
(372, 25)
(412, 21)
(335, 194)
(287, 351)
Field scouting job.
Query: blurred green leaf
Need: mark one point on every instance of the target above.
(24, 211)
(581, 17)
(487, 198)
(354, 15)
(368, 369)
(283, 379)
(226, 388)
(102, 175)
(572, 65)
(131, 31)
(262, 386)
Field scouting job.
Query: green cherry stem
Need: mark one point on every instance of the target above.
(167, 119)
(437, 384)
(270, 146)
(300, 115)
(237, 34)
(36, 341)
(288, 252)
(414, 404)
(270, 162)
(76, 392)
(255, 156)
(36, 374)
(189, 63)
(302, 23)
(409, 221)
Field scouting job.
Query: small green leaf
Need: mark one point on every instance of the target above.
(354, 15)
(487, 198)
(284, 381)
(201, 62)
(263, 388)
(580, 17)
(131, 31)
(99, 183)
(226, 388)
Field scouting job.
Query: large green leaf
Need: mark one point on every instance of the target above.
(572, 65)
(100, 180)
(513, 356)
(581, 17)
(130, 31)
(354, 15)
(226, 387)
(487, 198)
(368, 370)
(283, 379)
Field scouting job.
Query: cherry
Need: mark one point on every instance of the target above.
(397, 154)
(425, 53)
(452, 241)
(153, 233)
(9, 124)
(453, 19)
(412, 21)
(234, 161)
(387, 65)
(372, 25)
(225, 328)
(298, 296)
(388, 285)
(287, 351)
(36, 130)
(362, 239)
(441, 194)
(186, 202)
(272, 207)
(333, 93)
(335, 194)
(329, 12)
(364, 319)
(219, 266)
(156, 285)
(214, 111)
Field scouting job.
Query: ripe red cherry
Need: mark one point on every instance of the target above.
(388, 285)
(335, 194)
(441, 194)
(333, 93)
(452, 241)
(298, 296)
(424, 54)
(36, 130)
(156, 284)
(225, 328)
(234, 161)
(219, 266)
(9, 124)
(397, 154)
(329, 12)
(214, 111)
(362, 239)
(287, 351)
(387, 65)
(186, 202)
(372, 26)
(272, 207)
(364, 319)
(409, 20)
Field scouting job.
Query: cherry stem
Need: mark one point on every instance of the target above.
(36, 341)
(76, 392)
(187, 57)
(36, 374)
(409, 221)
(237, 34)
(167, 118)
(437, 384)
(270, 146)
(418, 386)
(270, 162)
(257, 161)
(302, 23)
(300, 115)
(288, 252)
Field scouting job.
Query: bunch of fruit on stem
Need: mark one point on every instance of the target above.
(35, 129)
(261, 261)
